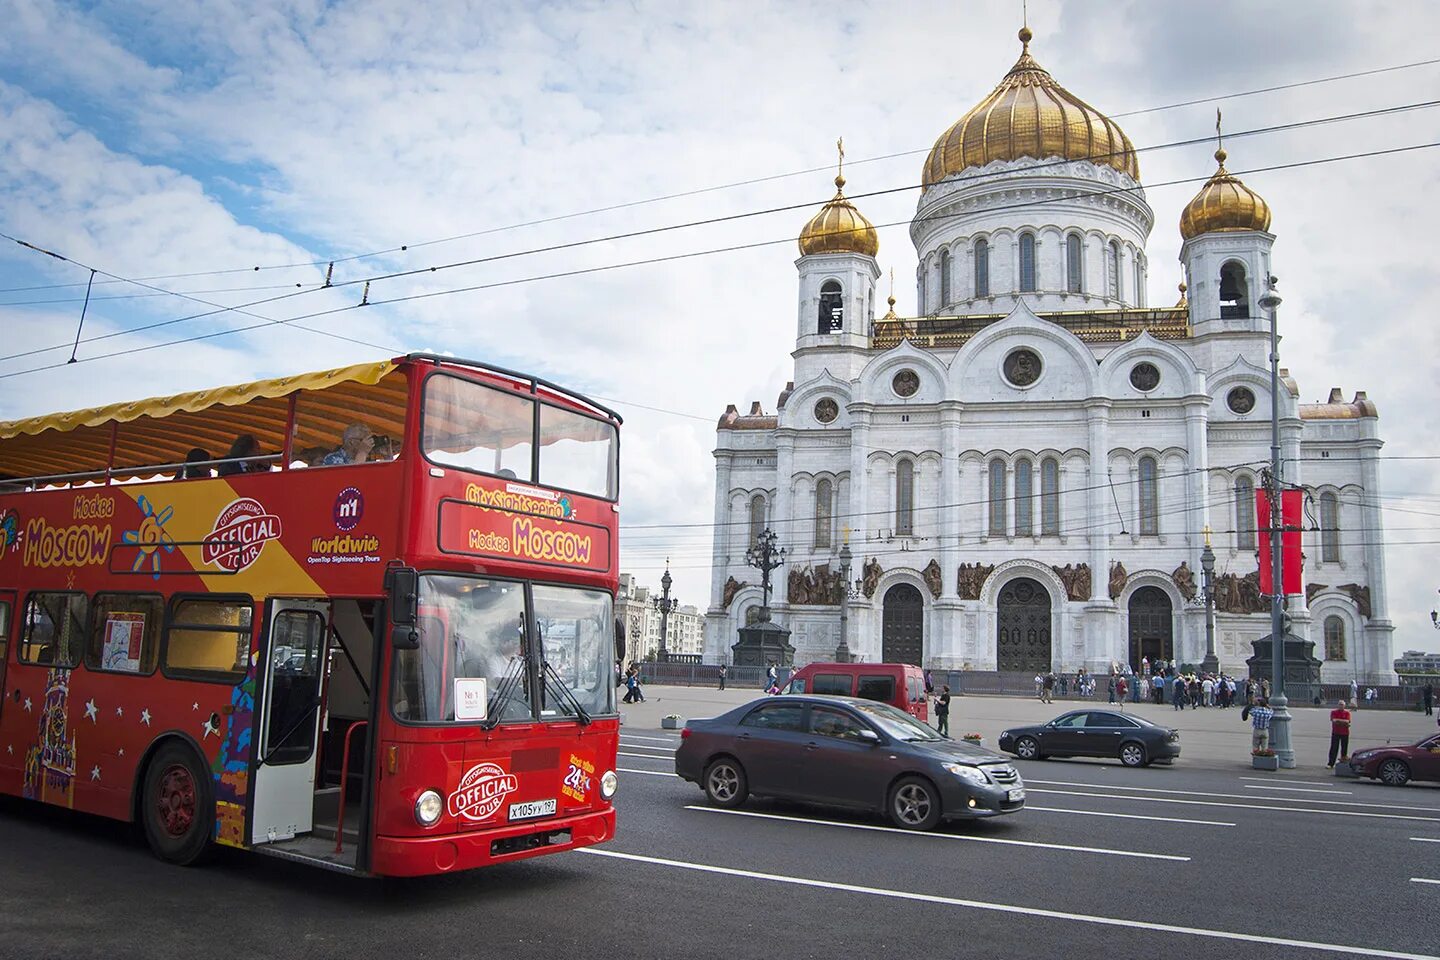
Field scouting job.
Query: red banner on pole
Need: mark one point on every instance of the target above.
(1290, 521)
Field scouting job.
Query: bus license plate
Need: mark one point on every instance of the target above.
(1014, 796)
(532, 809)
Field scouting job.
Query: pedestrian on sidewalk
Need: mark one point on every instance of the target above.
(1370, 696)
(1427, 696)
(929, 684)
(942, 711)
(1120, 687)
(1260, 716)
(771, 675)
(1112, 688)
(1354, 693)
(1047, 688)
(1157, 683)
(1339, 732)
(724, 672)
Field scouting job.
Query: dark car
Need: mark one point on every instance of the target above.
(1095, 733)
(847, 752)
(1398, 765)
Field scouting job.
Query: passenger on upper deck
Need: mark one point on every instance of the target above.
(355, 446)
(240, 458)
(197, 465)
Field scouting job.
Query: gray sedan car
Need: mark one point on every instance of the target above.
(848, 752)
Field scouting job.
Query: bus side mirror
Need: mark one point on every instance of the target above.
(403, 585)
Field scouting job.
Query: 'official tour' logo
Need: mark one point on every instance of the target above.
(482, 792)
(241, 531)
(349, 508)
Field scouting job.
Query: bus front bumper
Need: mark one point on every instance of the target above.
(451, 853)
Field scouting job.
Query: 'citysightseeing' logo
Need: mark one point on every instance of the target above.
(518, 499)
(482, 792)
(241, 531)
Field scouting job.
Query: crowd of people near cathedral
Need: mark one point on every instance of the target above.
(1158, 682)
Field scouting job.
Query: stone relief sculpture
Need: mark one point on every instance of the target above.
(1311, 589)
(1076, 578)
(933, 578)
(1240, 594)
(818, 586)
(798, 589)
(732, 587)
(971, 578)
(1361, 596)
(1118, 576)
(1184, 579)
(871, 574)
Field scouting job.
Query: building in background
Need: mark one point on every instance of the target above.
(1418, 668)
(635, 607)
(1024, 470)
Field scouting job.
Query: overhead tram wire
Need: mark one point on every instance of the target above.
(728, 218)
(402, 248)
(668, 258)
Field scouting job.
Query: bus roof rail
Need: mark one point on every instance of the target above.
(531, 379)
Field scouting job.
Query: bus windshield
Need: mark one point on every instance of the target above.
(475, 427)
(473, 662)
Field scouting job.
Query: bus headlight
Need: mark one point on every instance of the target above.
(608, 784)
(428, 808)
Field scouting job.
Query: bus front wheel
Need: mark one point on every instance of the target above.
(177, 808)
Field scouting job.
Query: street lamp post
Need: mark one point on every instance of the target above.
(665, 605)
(1280, 722)
(765, 556)
(842, 651)
(1211, 663)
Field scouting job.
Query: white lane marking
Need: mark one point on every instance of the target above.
(1332, 793)
(1130, 816)
(1007, 908)
(1423, 880)
(1232, 796)
(1234, 806)
(940, 836)
(653, 773)
(1308, 783)
(636, 736)
(1427, 839)
(642, 756)
(641, 746)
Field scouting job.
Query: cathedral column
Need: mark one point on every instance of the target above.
(1197, 484)
(859, 522)
(782, 519)
(1379, 632)
(948, 649)
(720, 556)
(1098, 498)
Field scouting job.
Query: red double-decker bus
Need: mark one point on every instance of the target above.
(361, 618)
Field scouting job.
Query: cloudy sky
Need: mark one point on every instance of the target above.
(150, 139)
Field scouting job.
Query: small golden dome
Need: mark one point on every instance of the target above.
(839, 228)
(1030, 115)
(1224, 203)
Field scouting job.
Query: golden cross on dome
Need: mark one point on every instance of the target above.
(840, 147)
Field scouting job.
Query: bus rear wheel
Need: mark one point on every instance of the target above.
(177, 808)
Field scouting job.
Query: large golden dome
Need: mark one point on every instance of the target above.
(1224, 203)
(1030, 115)
(839, 228)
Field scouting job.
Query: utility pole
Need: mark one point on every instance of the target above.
(1280, 722)
(842, 651)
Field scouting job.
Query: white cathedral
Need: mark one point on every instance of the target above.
(1025, 472)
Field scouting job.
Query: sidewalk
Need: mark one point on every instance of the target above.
(1209, 736)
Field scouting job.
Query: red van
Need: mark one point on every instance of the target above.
(898, 684)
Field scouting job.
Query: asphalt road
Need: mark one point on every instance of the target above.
(1106, 862)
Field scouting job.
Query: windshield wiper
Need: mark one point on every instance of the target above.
(566, 693)
(501, 697)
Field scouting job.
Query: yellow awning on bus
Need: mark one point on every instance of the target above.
(197, 400)
(163, 430)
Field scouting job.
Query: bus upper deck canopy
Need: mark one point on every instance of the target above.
(142, 437)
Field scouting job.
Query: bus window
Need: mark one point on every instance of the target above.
(575, 632)
(209, 639)
(577, 452)
(125, 632)
(350, 423)
(470, 630)
(54, 629)
(479, 428)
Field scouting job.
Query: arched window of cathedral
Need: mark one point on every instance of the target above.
(982, 268)
(824, 513)
(1024, 506)
(1027, 263)
(904, 499)
(1074, 267)
(1334, 638)
(944, 278)
(1244, 513)
(1050, 497)
(757, 517)
(1234, 291)
(832, 308)
(997, 498)
(1329, 528)
(1149, 499)
(1113, 272)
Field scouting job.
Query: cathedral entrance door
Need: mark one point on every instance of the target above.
(903, 625)
(1152, 627)
(1022, 641)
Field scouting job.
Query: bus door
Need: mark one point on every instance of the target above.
(295, 663)
(7, 618)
